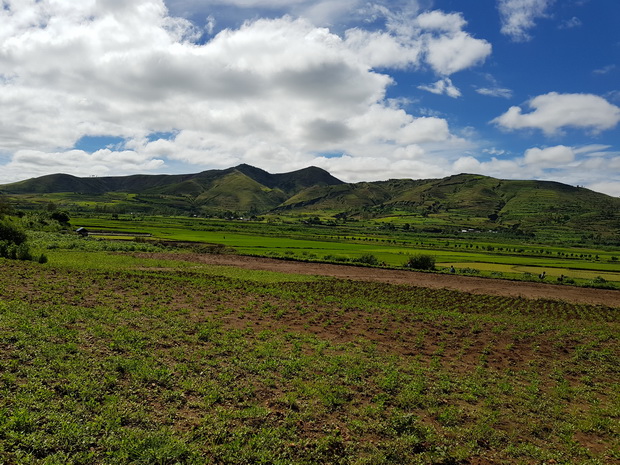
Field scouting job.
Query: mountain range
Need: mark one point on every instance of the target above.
(464, 200)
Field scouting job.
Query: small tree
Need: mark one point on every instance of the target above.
(13, 242)
(5, 206)
(22, 252)
(11, 233)
(61, 216)
(421, 262)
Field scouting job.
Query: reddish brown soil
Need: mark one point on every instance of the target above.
(470, 284)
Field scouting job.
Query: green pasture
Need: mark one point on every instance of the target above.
(345, 243)
(519, 271)
(106, 261)
(103, 260)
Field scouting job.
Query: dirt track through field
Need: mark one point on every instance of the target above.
(470, 284)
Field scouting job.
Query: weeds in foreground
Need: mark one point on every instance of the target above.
(133, 362)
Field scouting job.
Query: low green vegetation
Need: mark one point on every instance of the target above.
(116, 349)
(366, 243)
(117, 352)
(377, 241)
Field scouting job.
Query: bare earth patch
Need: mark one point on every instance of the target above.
(470, 284)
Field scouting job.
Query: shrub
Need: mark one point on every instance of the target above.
(22, 252)
(468, 270)
(11, 233)
(15, 252)
(4, 249)
(367, 259)
(61, 216)
(421, 262)
(13, 242)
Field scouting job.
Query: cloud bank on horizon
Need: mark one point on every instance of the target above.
(366, 90)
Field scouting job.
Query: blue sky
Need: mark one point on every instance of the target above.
(369, 90)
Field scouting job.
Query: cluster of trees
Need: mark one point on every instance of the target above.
(13, 243)
(13, 238)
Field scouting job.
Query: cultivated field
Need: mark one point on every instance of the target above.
(474, 253)
(124, 357)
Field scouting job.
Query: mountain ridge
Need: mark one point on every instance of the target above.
(464, 199)
(138, 183)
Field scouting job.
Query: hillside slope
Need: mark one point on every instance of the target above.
(476, 201)
(242, 188)
(464, 200)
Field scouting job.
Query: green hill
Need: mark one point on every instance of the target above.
(472, 201)
(460, 201)
(243, 188)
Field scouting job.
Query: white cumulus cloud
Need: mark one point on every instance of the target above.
(381, 49)
(592, 166)
(434, 39)
(456, 51)
(273, 92)
(441, 87)
(554, 111)
(519, 16)
(549, 157)
(437, 20)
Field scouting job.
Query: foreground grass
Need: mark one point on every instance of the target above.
(111, 359)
